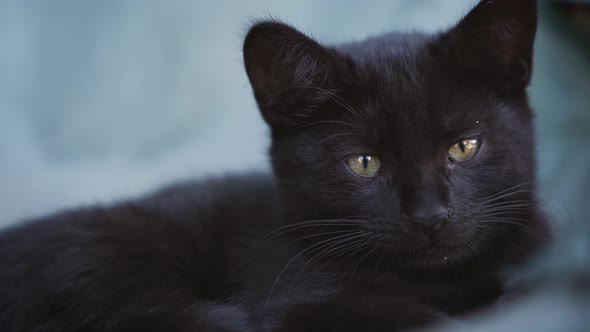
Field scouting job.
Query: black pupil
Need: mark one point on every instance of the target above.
(462, 146)
(365, 162)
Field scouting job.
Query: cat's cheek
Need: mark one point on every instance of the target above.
(372, 192)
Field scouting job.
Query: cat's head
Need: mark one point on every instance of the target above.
(415, 147)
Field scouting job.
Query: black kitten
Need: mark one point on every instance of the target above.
(404, 183)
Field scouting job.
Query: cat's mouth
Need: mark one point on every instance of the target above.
(419, 243)
(411, 245)
(416, 234)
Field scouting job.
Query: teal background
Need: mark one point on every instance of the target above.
(109, 99)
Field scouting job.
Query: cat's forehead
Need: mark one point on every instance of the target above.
(402, 89)
(396, 78)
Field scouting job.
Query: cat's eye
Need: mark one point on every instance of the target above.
(464, 150)
(364, 165)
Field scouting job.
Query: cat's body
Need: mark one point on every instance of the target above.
(403, 188)
(161, 263)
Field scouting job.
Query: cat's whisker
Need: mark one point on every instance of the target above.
(469, 244)
(356, 265)
(507, 205)
(297, 226)
(503, 216)
(351, 248)
(497, 232)
(329, 245)
(505, 199)
(509, 221)
(295, 258)
(334, 97)
(324, 234)
(348, 249)
(500, 204)
(380, 260)
(294, 226)
(282, 233)
(357, 249)
(327, 250)
(328, 122)
(486, 226)
(339, 100)
(504, 195)
(504, 213)
(340, 249)
(515, 187)
(335, 136)
(516, 210)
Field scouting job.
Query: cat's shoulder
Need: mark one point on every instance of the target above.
(236, 189)
(218, 200)
(221, 199)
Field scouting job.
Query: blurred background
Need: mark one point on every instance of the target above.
(109, 99)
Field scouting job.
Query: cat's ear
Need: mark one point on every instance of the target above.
(495, 39)
(291, 74)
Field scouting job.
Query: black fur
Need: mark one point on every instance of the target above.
(315, 247)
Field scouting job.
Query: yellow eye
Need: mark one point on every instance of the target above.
(464, 150)
(365, 165)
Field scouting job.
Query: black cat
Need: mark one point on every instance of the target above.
(404, 184)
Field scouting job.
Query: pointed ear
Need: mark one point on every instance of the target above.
(291, 74)
(495, 39)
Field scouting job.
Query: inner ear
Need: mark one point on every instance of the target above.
(290, 73)
(495, 39)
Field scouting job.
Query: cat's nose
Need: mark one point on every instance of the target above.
(430, 218)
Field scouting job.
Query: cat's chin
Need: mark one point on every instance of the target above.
(427, 259)
(421, 251)
(438, 257)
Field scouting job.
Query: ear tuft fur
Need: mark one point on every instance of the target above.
(287, 71)
(496, 38)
